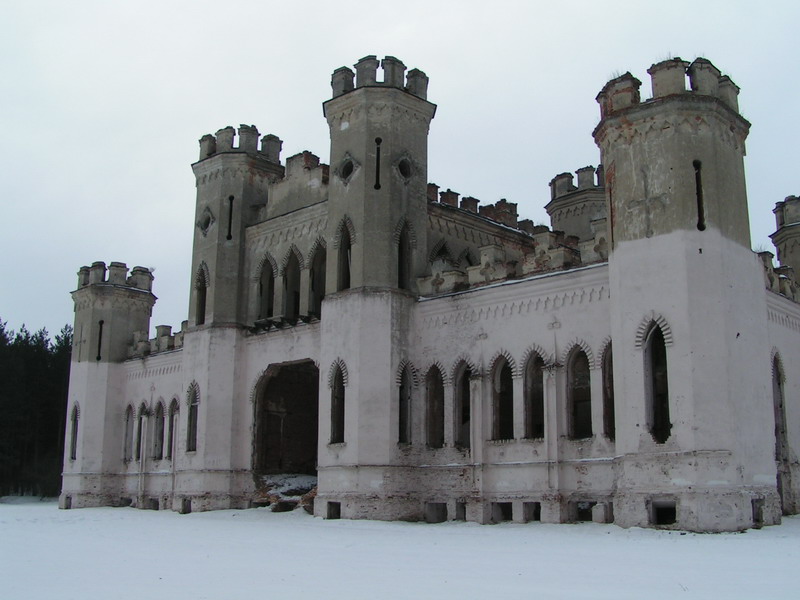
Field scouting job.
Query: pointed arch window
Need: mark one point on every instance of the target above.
(191, 425)
(337, 406)
(782, 452)
(158, 432)
(141, 427)
(172, 424)
(534, 398)
(657, 385)
(434, 409)
(579, 396)
(201, 294)
(127, 448)
(291, 288)
(266, 291)
(344, 260)
(317, 281)
(404, 408)
(609, 420)
(502, 401)
(73, 433)
(463, 406)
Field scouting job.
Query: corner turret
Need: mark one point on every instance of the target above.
(787, 234)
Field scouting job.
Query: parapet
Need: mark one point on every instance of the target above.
(366, 75)
(787, 212)
(669, 78)
(223, 141)
(305, 160)
(564, 183)
(140, 278)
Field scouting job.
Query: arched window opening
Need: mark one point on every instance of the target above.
(656, 385)
(141, 425)
(534, 398)
(266, 292)
(404, 408)
(579, 396)
(344, 262)
(404, 260)
(191, 426)
(158, 433)
(317, 287)
(337, 407)
(171, 429)
(434, 392)
(503, 402)
(127, 448)
(609, 422)
(73, 434)
(291, 288)
(463, 409)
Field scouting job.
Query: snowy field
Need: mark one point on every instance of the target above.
(122, 553)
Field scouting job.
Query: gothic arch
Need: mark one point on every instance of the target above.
(345, 223)
(440, 249)
(202, 277)
(442, 371)
(570, 348)
(412, 234)
(467, 258)
(318, 243)
(647, 324)
(775, 360)
(192, 391)
(463, 361)
(143, 410)
(507, 356)
(536, 350)
(337, 364)
(267, 258)
(76, 408)
(412, 371)
(293, 249)
(604, 346)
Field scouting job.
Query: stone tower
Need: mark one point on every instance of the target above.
(787, 235)
(685, 286)
(112, 309)
(377, 221)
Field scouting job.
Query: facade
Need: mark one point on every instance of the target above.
(428, 357)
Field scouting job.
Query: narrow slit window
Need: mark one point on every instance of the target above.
(378, 163)
(657, 386)
(230, 218)
(345, 244)
(337, 408)
(99, 338)
(73, 438)
(698, 188)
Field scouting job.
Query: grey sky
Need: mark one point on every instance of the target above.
(103, 103)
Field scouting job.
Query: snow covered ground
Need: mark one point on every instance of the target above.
(122, 553)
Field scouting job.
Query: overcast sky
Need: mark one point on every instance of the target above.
(102, 104)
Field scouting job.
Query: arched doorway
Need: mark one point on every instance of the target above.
(286, 419)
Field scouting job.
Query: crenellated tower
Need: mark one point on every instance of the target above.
(232, 183)
(787, 234)
(379, 164)
(112, 306)
(686, 287)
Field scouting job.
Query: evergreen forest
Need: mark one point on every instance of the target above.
(34, 378)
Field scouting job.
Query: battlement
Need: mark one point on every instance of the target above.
(164, 341)
(787, 212)
(223, 141)
(306, 160)
(366, 75)
(564, 183)
(140, 278)
(669, 78)
(780, 280)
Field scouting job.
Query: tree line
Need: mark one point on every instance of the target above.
(34, 379)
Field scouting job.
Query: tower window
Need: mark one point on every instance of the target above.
(656, 386)
(99, 337)
(404, 167)
(73, 437)
(345, 246)
(698, 187)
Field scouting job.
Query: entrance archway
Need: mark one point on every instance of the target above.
(286, 419)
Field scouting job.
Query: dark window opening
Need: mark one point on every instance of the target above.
(317, 282)
(186, 506)
(346, 169)
(140, 432)
(434, 388)
(173, 419)
(698, 186)
(609, 422)
(73, 434)
(378, 163)
(531, 511)
(291, 288)
(502, 386)
(127, 448)
(404, 408)
(664, 513)
(463, 409)
(758, 512)
(784, 475)
(99, 337)
(583, 511)
(435, 512)
(286, 420)
(158, 433)
(230, 218)
(534, 398)
(334, 510)
(461, 511)
(201, 292)
(502, 511)
(657, 385)
(579, 396)
(191, 428)
(266, 291)
(404, 166)
(337, 408)
(152, 504)
(344, 262)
